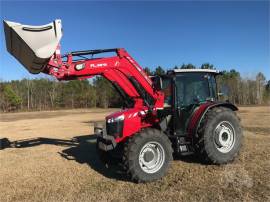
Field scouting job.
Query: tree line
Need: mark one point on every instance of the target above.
(47, 94)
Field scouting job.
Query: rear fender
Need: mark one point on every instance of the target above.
(199, 114)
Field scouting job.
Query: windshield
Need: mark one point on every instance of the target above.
(192, 88)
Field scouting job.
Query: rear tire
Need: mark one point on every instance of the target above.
(147, 155)
(219, 136)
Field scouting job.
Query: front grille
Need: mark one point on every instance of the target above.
(115, 129)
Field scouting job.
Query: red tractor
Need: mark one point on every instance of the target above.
(174, 114)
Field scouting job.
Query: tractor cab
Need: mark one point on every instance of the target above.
(185, 90)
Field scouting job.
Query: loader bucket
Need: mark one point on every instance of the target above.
(32, 46)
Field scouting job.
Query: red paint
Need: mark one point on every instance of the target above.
(196, 117)
(117, 69)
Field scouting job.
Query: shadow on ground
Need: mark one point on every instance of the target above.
(81, 149)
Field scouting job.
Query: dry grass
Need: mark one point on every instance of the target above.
(55, 160)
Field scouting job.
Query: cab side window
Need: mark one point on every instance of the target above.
(167, 90)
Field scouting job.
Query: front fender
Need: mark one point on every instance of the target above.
(199, 114)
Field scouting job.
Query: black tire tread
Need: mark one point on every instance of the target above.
(206, 154)
(130, 154)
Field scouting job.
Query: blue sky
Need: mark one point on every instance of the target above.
(226, 34)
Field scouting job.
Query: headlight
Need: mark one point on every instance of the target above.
(80, 66)
(119, 118)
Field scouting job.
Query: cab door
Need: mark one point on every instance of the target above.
(190, 90)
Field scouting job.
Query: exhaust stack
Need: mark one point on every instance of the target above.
(32, 46)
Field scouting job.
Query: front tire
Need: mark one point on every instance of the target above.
(219, 136)
(147, 155)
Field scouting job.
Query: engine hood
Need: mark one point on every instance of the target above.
(128, 113)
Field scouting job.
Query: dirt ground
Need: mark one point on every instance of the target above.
(51, 157)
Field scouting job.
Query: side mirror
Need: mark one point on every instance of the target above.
(220, 94)
(223, 93)
(157, 82)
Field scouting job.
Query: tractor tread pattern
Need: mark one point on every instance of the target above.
(131, 149)
(206, 153)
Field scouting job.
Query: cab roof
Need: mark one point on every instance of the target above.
(213, 71)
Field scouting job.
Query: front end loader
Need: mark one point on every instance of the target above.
(175, 114)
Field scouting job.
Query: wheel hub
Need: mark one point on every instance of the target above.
(152, 157)
(148, 156)
(224, 137)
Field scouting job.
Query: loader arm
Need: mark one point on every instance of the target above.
(37, 49)
(122, 70)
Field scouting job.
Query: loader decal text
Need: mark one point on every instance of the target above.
(98, 65)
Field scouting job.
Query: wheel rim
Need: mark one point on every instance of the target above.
(151, 157)
(224, 137)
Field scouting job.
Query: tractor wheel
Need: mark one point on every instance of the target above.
(219, 136)
(147, 155)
